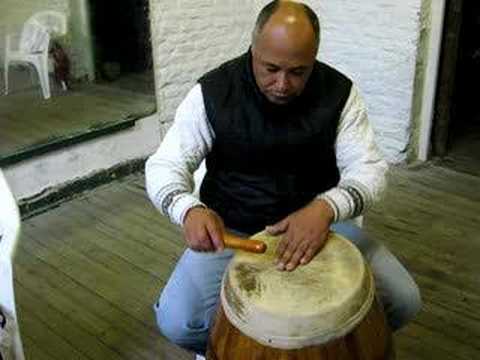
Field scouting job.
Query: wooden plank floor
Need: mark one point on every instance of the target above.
(88, 271)
(464, 148)
(430, 218)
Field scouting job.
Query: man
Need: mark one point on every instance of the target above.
(287, 144)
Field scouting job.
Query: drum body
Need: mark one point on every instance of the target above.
(324, 310)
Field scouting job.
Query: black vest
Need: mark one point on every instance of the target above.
(269, 160)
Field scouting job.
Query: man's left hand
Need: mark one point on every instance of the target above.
(304, 234)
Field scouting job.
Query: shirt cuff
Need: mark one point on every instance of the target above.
(180, 206)
(347, 200)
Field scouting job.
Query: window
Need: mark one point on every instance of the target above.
(100, 73)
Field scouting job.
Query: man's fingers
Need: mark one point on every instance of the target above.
(204, 230)
(308, 255)
(199, 240)
(204, 243)
(289, 249)
(215, 232)
(313, 250)
(295, 259)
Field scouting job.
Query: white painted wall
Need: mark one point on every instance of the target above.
(191, 37)
(45, 172)
(374, 42)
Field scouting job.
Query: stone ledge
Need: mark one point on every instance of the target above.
(53, 197)
(56, 143)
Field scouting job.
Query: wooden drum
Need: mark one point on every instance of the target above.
(324, 310)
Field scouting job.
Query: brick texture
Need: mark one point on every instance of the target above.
(374, 42)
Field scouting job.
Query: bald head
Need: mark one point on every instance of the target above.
(292, 14)
(284, 48)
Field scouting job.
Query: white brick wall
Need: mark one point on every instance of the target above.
(374, 42)
(191, 37)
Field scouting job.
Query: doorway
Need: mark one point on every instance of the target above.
(123, 51)
(456, 131)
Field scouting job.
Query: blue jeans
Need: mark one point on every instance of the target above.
(189, 300)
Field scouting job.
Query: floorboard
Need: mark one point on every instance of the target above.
(88, 271)
(429, 219)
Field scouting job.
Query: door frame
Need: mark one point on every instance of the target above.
(431, 80)
(442, 116)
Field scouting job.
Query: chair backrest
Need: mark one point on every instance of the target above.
(9, 221)
(54, 21)
(34, 39)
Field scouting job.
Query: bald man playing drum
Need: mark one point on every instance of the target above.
(288, 147)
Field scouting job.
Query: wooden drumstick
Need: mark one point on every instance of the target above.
(236, 242)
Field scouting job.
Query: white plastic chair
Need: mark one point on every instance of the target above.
(33, 45)
(9, 231)
(54, 21)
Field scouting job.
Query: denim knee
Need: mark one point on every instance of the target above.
(406, 305)
(181, 329)
(356, 235)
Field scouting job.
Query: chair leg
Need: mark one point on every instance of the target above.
(32, 72)
(42, 69)
(46, 79)
(6, 76)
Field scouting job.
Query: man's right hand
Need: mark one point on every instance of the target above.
(203, 229)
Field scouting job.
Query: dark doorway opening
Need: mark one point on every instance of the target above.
(456, 135)
(121, 32)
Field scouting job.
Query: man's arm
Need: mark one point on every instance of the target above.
(362, 179)
(362, 167)
(169, 174)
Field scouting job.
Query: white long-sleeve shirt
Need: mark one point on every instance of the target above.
(169, 171)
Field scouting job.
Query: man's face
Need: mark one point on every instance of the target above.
(282, 68)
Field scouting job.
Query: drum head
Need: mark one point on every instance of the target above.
(311, 305)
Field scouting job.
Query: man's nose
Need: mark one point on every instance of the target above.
(282, 84)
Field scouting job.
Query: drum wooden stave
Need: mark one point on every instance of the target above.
(325, 310)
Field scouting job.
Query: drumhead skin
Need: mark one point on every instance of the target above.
(311, 305)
